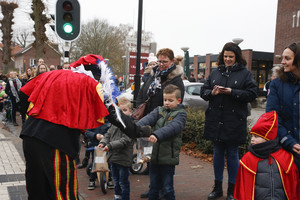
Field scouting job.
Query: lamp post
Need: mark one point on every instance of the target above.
(124, 73)
(137, 76)
(186, 61)
(237, 41)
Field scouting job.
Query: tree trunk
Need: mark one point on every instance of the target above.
(40, 20)
(6, 28)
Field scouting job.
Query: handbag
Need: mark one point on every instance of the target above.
(139, 112)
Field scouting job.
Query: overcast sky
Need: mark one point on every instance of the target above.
(203, 26)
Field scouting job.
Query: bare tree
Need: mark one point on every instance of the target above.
(98, 37)
(40, 20)
(7, 10)
(23, 37)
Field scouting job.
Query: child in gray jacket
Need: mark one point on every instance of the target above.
(120, 149)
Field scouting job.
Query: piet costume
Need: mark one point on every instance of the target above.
(61, 103)
(267, 171)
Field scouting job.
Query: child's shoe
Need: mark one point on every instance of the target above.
(116, 197)
(91, 185)
(110, 184)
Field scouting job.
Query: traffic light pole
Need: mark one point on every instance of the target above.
(67, 47)
(137, 76)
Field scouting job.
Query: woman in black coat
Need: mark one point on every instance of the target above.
(228, 89)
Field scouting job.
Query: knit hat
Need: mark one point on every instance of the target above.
(152, 58)
(266, 126)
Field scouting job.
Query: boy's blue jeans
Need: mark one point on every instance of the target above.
(120, 175)
(232, 153)
(161, 177)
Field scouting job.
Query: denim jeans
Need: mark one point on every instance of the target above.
(161, 177)
(120, 175)
(232, 153)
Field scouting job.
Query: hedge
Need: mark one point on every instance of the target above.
(194, 130)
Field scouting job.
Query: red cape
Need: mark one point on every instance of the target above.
(245, 181)
(67, 98)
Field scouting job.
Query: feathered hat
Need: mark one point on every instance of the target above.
(91, 65)
(266, 126)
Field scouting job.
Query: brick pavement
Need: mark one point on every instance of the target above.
(193, 177)
(12, 167)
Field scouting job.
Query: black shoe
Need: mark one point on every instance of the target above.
(15, 124)
(145, 195)
(84, 163)
(230, 197)
(110, 184)
(91, 185)
(217, 191)
(230, 191)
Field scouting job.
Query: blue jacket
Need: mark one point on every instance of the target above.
(284, 99)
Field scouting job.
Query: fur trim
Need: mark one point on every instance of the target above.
(178, 71)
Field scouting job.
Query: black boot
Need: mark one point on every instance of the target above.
(217, 191)
(84, 163)
(230, 191)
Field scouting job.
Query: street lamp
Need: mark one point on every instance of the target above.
(237, 41)
(124, 73)
(186, 61)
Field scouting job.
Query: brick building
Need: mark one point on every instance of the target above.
(14, 49)
(287, 26)
(26, 57)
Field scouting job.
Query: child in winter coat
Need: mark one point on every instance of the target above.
(267, 171)
(164, 125)
(120, 150)
(167, 123)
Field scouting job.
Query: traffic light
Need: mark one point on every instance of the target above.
(67, 19)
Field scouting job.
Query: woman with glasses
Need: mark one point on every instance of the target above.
(161, 75)
(228, 89)
(284, 98)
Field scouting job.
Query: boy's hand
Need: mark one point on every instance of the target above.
(152, 139)
(105, 149)
(99, 136)
(100, 146)
(296, 148)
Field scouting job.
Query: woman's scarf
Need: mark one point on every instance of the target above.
(13, 89)
(155, 86)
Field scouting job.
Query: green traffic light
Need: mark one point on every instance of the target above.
(68, 28)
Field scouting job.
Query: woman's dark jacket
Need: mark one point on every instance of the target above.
(226, 115)
(284, 99)
(173, 77)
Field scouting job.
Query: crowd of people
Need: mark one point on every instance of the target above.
(51, 133)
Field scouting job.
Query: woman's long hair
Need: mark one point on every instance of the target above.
(230, 46)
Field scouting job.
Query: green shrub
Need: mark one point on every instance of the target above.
(194, 129)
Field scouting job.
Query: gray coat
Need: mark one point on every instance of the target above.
(268, 184)
(120, 147)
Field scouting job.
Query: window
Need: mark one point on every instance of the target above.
(31, 62)
(193, 90)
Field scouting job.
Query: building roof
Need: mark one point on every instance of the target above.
(14, 48)
(27, 48)
(259, 55)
